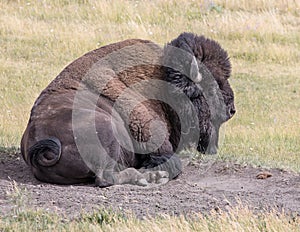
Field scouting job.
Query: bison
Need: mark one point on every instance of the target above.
(121, 113)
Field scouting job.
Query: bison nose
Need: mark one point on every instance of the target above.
(231, 112)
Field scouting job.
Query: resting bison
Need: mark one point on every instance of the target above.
(119, 114)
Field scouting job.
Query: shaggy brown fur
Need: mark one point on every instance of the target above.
(49, 144)
(214, 65)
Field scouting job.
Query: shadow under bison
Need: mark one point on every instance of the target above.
(121, 113)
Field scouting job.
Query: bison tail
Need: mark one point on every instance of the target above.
(170, 163)
(45, 152)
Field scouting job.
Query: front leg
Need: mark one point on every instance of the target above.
(131, 176)
(157, 177)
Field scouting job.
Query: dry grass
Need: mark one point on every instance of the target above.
(39, 38)
(237, 219)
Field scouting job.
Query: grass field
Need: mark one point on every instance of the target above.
(39, 38)
(238, 219)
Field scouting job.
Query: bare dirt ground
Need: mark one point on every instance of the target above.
(202, 187)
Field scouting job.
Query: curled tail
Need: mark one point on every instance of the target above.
(170, 163)
(45, 152)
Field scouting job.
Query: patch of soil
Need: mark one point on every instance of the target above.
(200, 188)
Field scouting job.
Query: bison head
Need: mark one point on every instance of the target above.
(202, 72)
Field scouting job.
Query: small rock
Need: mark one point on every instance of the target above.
(263, 175)
(226, 202)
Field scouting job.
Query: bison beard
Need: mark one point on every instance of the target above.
(50, 144)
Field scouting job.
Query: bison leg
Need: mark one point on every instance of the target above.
(157, 177)
(131, 176)
(169, 163)
(104, 179)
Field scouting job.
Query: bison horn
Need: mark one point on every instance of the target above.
(195, 75)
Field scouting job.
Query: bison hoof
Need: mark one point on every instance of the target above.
(102, 183)
(142, 182)
(158, 177)
(163, 181)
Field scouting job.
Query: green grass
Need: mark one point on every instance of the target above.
(262, 39)
(265, 130)
(237, 219)
(39, 38)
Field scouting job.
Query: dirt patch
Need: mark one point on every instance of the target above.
(202, 187)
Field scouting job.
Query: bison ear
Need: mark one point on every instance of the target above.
(195, 75)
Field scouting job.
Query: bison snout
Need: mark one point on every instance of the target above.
(231, 112)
